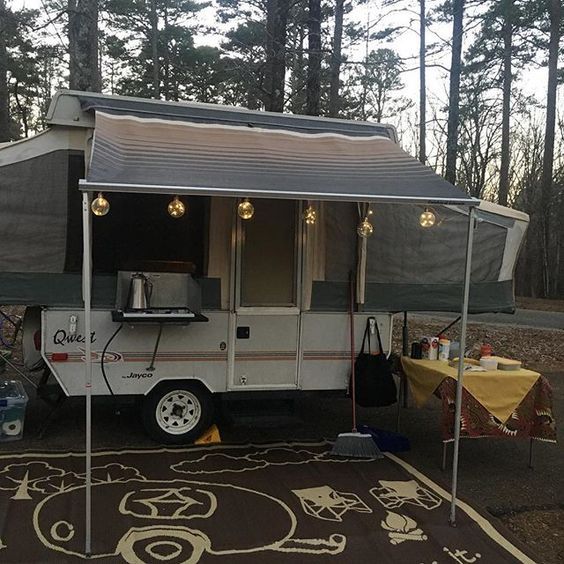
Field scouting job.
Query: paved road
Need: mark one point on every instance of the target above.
(522, 318)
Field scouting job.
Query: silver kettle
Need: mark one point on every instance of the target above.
(140, 291)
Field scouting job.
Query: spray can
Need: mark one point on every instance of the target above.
(444, 349)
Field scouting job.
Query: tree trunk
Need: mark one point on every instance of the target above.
(454, 91)
(4, 92)
(271, 7)
(422, 87)
(166, 55)
(334, 99)
(297, 95)
(275, 75)
(155, 49)
(507, 52)
(84, 72)
(364, 79)
(279, 59)
(313, 94)
(22, 109)
(555, 12)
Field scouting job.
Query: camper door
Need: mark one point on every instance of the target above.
(266, 297)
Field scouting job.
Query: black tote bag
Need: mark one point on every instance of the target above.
(375, 385)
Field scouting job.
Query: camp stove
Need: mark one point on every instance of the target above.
(157, 297)
(158, 315)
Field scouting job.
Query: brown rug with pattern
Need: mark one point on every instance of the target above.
(287, 502)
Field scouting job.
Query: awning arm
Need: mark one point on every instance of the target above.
(458, 402)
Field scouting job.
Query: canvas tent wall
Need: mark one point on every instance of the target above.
(409, 268)
(406, 267)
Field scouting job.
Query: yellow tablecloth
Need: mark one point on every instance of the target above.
(499, 391)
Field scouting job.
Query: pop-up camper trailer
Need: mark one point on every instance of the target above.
(177, 307)
(180, 308)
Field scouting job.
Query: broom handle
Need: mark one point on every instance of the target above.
(353, 379)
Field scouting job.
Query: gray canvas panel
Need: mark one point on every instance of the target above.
(33, 204)
(484, 297)
(340, 240)
(507, 222)
(143, 155)
(54, 289)
(65, 290)
(401, 251)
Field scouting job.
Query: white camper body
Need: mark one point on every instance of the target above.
(284, 351)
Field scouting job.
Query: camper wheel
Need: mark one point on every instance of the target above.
(177, 412)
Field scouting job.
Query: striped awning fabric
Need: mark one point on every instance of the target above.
(133, 154)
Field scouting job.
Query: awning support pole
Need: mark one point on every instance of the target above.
(458, 403)
(86, 293)
(405, 336)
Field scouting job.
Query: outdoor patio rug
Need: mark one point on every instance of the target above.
(285, 502)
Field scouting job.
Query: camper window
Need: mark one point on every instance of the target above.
(138, 231)
(268, 255)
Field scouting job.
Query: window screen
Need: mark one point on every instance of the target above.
(268, 261)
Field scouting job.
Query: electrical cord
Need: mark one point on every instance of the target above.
(104, 355)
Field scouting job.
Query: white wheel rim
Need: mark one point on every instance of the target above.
(178, 412)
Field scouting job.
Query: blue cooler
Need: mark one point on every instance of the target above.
(13, 401)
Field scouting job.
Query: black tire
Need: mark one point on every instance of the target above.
(177, 412)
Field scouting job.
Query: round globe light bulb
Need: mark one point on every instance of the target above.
(246, 210)
(100, 206)
(365, 229)
(176, 208)
(427, 218)
(310, 215)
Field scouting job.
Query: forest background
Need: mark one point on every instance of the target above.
(473, 86)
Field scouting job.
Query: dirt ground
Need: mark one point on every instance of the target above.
(494, 475)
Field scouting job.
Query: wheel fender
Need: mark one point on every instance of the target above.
(167, 380)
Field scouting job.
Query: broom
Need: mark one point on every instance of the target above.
(354, 444)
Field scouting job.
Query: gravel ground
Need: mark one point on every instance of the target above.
(522, 318)
(540, 304)
(493, 474)
(542, 530)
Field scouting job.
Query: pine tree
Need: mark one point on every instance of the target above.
(160, 37)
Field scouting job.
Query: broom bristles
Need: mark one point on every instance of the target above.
(356, 445)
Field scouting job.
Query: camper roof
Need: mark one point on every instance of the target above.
(77, 109)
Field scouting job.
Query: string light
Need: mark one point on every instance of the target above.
(427, 218)
(245, 209)
(365, 228)
(100, 206)
(176, 208)
(310, 215)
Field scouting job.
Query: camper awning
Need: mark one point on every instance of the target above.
(134, 154)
